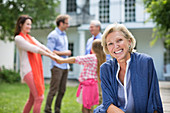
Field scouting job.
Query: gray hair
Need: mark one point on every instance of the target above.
(125, 32)
(96, 23)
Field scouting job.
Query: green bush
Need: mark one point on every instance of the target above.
(9, 76)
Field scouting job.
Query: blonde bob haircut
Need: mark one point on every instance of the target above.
(125, 32)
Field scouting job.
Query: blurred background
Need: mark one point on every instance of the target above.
(148, 20)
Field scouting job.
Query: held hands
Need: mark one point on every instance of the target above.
(52, 56)
(61, 60)
(58, 59)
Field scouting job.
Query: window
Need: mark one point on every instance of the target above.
(86, 7)
(104, 11)
(167, 61)
(71, 47)
(130, 11)
(71, 6)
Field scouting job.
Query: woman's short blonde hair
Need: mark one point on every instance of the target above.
(121, 28)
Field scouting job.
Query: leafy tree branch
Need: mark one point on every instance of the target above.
(43, 13)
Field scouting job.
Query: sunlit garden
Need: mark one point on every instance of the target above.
(14, 94)
(13, 97)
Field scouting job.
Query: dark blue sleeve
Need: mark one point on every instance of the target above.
(99, 109)
(154, 101)
(108, 89)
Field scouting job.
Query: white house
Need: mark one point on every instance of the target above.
(128, 12)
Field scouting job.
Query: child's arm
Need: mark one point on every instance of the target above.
(61, 60)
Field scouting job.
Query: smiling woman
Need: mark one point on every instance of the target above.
(129, 80)
(31, 69)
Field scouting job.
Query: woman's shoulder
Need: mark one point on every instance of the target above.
(109, 63)
(18, 38)
(142, 56)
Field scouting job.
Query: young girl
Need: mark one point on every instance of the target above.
(87, 93)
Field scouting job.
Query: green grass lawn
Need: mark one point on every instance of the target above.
(14, 96)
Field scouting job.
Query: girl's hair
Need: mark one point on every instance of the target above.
(125, 32)
(21, 20)
(101, 56)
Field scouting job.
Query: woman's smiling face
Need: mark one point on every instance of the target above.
(26, 27)
(118, 46)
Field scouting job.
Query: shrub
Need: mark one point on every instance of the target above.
(9, 76)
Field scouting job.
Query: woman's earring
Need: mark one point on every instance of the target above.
(129, 47)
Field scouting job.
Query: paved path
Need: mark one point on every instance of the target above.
(165, 95)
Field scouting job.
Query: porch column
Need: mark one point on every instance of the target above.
(81, 50)
(81, 42)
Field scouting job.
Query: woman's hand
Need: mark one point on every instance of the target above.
(52, 56)
(113, 109)
(58, 59)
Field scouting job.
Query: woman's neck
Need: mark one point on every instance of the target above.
(24, 33)
(123, 61)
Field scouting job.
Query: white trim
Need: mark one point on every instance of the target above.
(130, 25)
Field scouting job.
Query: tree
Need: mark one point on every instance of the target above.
(160, 14)
(42, 11)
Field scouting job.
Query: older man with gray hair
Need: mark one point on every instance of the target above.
(95, 28)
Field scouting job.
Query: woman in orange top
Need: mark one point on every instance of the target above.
(31, 69)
